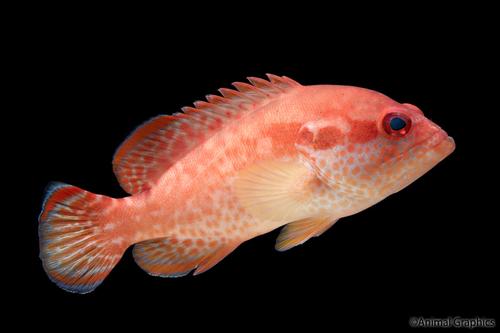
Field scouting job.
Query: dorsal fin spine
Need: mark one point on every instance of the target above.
(248, 89)
(159, 139)
(262, 84)
(233, 94)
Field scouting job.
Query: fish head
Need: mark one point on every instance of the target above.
(372, 147)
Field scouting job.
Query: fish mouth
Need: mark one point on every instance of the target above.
(424, 156)
(448, 145)
(440, 143)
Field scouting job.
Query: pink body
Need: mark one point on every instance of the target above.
(286, 154)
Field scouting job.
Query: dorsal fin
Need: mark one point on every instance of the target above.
(156, 145)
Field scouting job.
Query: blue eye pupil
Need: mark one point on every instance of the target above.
(397, 124)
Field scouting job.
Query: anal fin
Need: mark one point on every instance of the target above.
(171, 257)
(299, 232)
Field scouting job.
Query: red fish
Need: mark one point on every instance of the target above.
(269, 154)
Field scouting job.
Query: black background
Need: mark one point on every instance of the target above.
(430, 250)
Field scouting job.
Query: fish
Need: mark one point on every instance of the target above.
(267, 154)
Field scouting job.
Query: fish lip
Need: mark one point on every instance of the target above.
(446, 140)
(434, 140)
(452, 144)
(423, 144)
(448, 149)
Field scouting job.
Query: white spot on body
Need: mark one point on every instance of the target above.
(264, 146)
(155, 213)
(184, 178)
(109, 227)
(118, 241)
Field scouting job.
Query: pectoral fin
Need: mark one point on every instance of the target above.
(299, 232)
(275, 190)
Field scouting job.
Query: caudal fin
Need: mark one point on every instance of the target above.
(78, 245)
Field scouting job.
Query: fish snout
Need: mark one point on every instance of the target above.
(448, 145)
(441, 144)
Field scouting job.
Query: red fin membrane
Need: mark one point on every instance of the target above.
(76, 253)
(159, 143)
(169, 257)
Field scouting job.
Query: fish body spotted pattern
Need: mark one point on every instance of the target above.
(268, 154)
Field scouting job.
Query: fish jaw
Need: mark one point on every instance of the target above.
(416, 162)
(421, 159)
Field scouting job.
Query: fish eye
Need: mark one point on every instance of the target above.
(397, 124)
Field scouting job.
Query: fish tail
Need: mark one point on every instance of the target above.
(79, 244)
